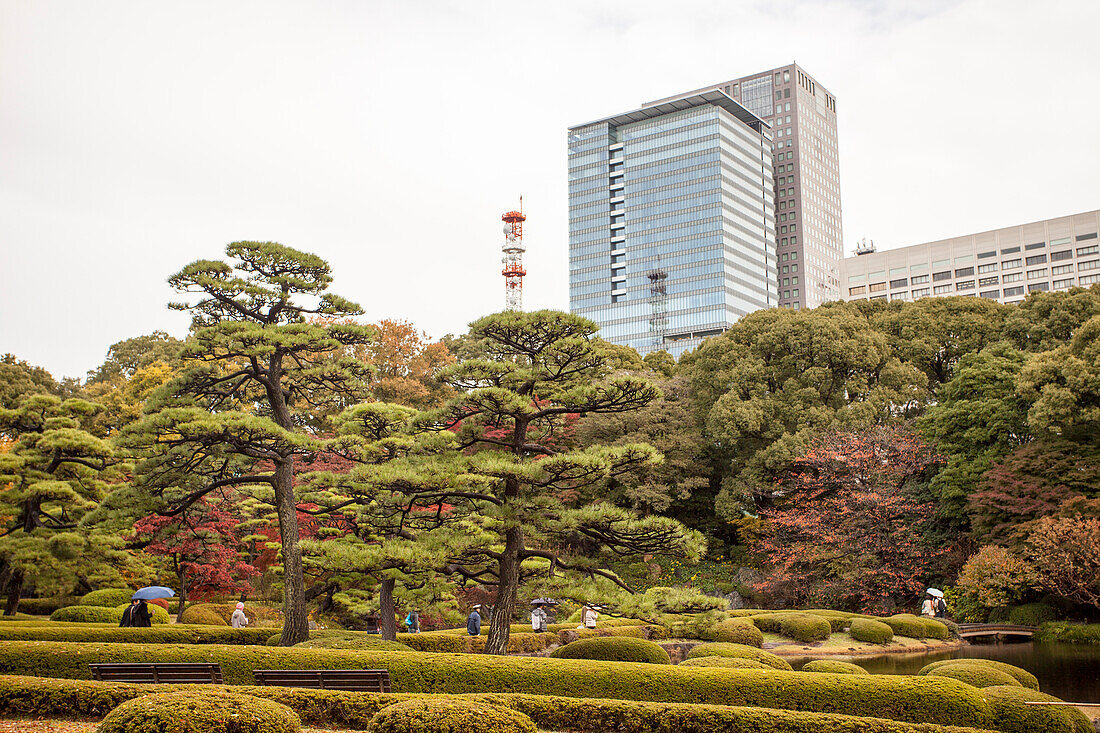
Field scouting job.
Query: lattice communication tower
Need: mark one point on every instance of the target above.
(658, 307)
(513, 250)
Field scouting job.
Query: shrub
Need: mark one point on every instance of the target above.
(207, 711)
(805, 627)
(566, 636)
(730, 630)
(163, 634)
(201, 613)
(349, 642)
(449, 716)
(917, 699)
(106, 597)
(1012, 715)
(975, 675)
(833, 666)
(21, 696)
(732, 662)
(1068, 633)
(258, 616)
(85, 615)
(739, 651)
(614, 649)
(1025, 678)
(1032, 614)
(874, 632)
(905, 624)
(160, 616)
(45, 606)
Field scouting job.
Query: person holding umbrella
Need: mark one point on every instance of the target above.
(128, 614)
(538, 615)
(140, 615)
(933, 606)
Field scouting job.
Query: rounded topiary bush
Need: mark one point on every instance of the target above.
(874, 632)
(85, 615)
(201, 614)
(739, 651)
(833, 666)
(906, 624)
(805, 627)
(206, 711)
(934, 628)
(106, 597)
(1012, 714)
(160, 616)
(1032, 614)
(729, 662)
(614, 649)
(735, 631)
(449, 715)
(975, 675)
(1025, 678)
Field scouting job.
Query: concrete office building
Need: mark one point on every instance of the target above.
(671, 221)
(809, 238)
(1003, 265)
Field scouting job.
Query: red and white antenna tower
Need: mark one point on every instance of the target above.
(513, 258)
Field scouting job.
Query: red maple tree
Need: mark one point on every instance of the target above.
(846, 529)
(201, 547)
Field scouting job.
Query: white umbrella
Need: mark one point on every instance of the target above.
(935, 592)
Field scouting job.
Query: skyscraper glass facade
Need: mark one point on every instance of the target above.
(671, 222)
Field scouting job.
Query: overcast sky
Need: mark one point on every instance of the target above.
(388, 137)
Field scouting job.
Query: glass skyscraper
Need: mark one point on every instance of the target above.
(671, 221)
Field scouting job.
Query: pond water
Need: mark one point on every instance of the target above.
(1067, 671)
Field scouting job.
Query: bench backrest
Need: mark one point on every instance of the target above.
(159, 673)
(353, 680)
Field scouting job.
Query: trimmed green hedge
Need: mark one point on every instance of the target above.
(201, 614)
(160, 616)
(914, 699)
(975, 675)
(731, 662)
(833, 666)
(173, 634)
(916, 627)
(739, 651)
(466, 644)
(1021, 675)
(43, 697)
(435, 715)
(106, 597)
(805, 627)
(345, 642)
(210, 710)
(85, 615)
(1012, 714)
(1032, 614)
(874, 632)
(1068, 633)
(614, 649)
(45, 606)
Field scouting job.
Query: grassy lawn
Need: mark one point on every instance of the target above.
(842, 643)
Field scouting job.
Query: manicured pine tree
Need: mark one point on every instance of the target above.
(270, 358)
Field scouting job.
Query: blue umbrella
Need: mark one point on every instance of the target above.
(153, 591)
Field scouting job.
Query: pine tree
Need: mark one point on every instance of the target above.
(263, 373)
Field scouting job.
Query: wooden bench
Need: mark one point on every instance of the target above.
(352, 680)
(153, 673)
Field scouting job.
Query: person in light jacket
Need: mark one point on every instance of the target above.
(538, 619)
(589, 616)
(473, 622)
(238, 620)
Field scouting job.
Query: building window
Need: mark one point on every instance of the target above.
(1061, 269)
(1012, 277)
(1083, 237)
(894, 284)
(988, 280)
(1082, 251)
(858, 290)
(1062, 284)
(1036, 259)
(964, 285)
(964, 271)
(616, 297)
(1037, 274)
(876, 287)
(941, 276)
(1009, 292)
(1088, 279)
(1065, 254)
(1090, 265)
(920, 292)
(987, 255)
(618, 258)
(918, 279)
(1037, 245)
(989, 294)
(1009, 264)
(991, 267)
(1009, 250)
(941, 289)
(1038, 287)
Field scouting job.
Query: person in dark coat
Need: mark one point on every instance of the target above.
(473, 622)
(128, 614)
(141, 615)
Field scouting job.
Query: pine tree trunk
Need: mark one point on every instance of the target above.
(501, 625)
(387, 620)
(15, 589)
(295, 620)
